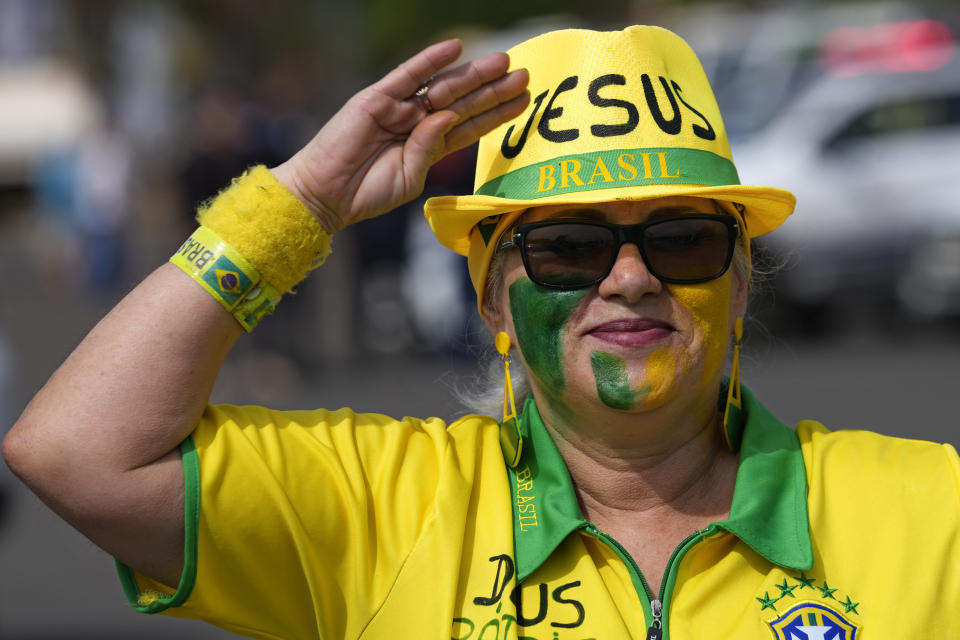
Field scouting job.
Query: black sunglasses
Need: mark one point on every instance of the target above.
(573, 254)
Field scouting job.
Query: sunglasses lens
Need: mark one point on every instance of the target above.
(687, 250)
(569, 254)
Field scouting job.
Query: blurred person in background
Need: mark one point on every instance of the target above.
(104, 163)
(84, 191)
(637, 493)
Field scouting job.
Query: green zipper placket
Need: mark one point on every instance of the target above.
(768, 512)
(654, 610)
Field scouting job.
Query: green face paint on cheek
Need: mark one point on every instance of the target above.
(613, 384)
(539, 317)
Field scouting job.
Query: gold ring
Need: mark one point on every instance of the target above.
(422, 94)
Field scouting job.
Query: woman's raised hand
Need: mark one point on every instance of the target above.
(374, 153)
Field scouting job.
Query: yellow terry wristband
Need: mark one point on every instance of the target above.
(227, 276)
(259, 217)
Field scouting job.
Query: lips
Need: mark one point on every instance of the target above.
(632, 332)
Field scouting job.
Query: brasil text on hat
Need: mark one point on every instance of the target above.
(615, 115)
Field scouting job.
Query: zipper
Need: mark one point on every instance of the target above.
(655, 630)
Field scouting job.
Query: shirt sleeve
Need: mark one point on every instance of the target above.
(297, 523)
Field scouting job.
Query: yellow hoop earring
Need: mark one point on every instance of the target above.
(510, 441)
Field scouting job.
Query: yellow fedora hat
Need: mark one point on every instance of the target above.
(615, 115)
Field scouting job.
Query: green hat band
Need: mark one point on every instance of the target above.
(613, 169)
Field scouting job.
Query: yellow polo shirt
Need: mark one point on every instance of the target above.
(332, 524)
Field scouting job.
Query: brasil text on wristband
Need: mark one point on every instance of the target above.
(227, 276)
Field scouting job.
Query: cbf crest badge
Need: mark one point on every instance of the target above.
(806, 610)
(813, 621)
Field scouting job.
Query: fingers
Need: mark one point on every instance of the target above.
(468, 131)
(426, 142)
(471, 116)
(402, 82)
(490, 95)
(439, 134)
(450, 86)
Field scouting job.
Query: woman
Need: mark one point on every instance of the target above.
(635, 495)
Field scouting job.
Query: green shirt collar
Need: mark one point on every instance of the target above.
(769, 509)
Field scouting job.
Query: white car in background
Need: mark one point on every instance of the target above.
(872, 152)
(44, 107)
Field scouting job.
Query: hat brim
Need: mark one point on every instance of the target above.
(453, 217)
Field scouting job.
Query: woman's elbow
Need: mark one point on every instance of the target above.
(20, 454)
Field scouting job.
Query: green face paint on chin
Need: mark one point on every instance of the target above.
(613, 384)
(539, 317)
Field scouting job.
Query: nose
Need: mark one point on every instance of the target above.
(629, 278)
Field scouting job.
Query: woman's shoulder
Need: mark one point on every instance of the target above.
(328, 425)
(821, 439)
(873, 461)
(254, 416)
